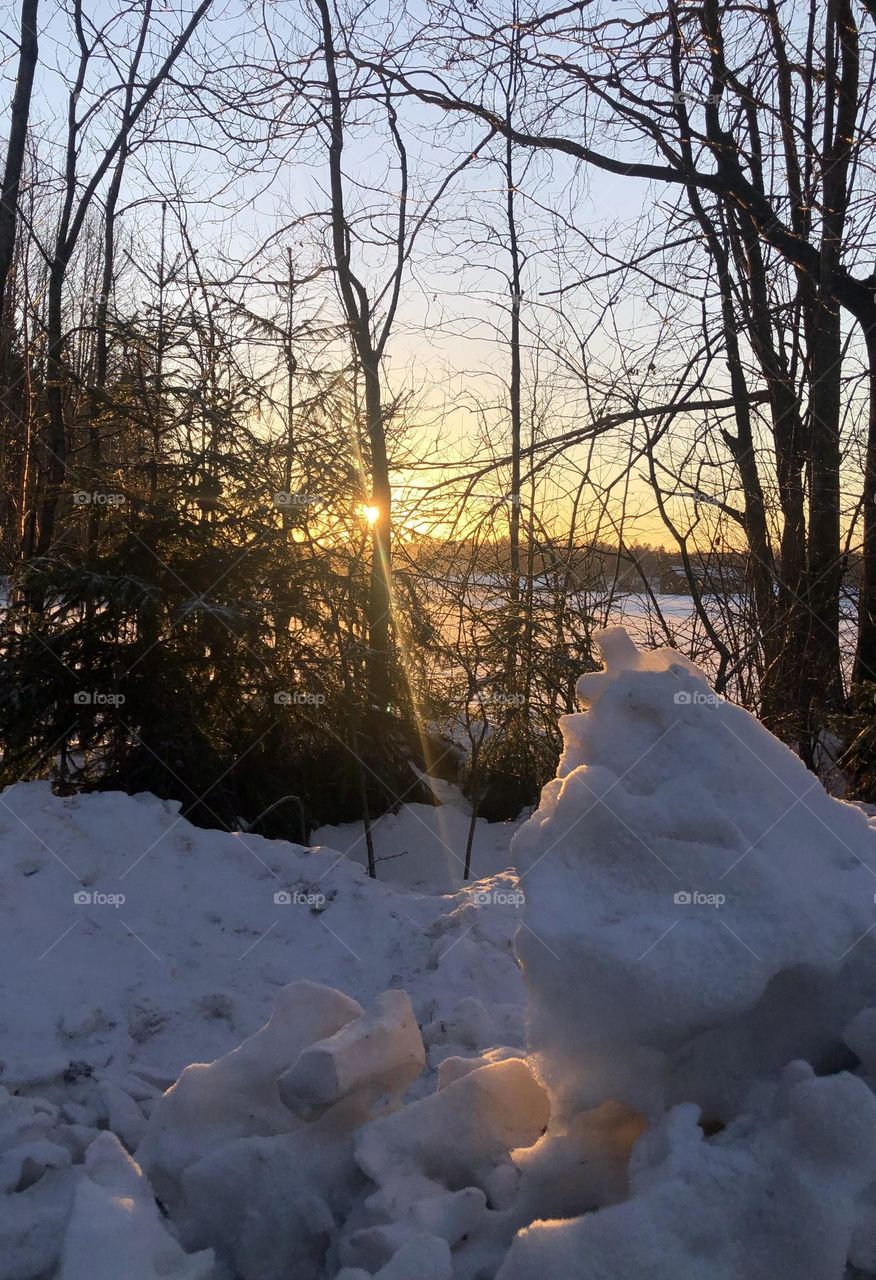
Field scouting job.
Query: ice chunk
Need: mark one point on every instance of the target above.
(115, 1226)
(381, 1052)
(237, 1095)
(458, 1135)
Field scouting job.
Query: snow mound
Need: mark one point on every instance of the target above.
(698, 908)
(150, 943)
(238, 1096)
(296, 1148)
(252, 1154)
(772, 1197)
(697, 1101)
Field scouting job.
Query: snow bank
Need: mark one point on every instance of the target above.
(189, 963)
(697, 907)
(422, 846)
(697, 1101)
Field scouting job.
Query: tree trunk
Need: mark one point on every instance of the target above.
(19, 116)
(380, 592)
(865, 655)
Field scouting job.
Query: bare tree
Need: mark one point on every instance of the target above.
(19, 116)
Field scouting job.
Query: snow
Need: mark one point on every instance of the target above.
(214, 1104)
(422, 846)
(189, 964)
(380, 1052)
(719, 901)
(203, 1082)
(115, 1216)
(763, 1201)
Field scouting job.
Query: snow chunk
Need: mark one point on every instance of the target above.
(380, 1051)
(116, 1224)
(36, 1185)
(772, 1198)
(457, 1136)
(265, 1204)
(237, 1096)
(697, 906)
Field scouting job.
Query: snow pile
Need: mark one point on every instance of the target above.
(115, 1217)
(291, 1155)
(252, 1154)
(697, 1102)
(774, 1196)
(133, 944)
(440, 1161)
(698, 908)
(36, 1184)
(73, 1202)
(131, 940)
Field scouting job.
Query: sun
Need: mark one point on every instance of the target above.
(371, 514)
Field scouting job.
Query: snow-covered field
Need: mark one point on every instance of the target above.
(642, 1044)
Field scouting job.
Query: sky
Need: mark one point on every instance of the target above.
(448, 353)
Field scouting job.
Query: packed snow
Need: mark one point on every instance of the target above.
(642, 1043)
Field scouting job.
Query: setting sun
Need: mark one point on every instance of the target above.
(371, 514)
